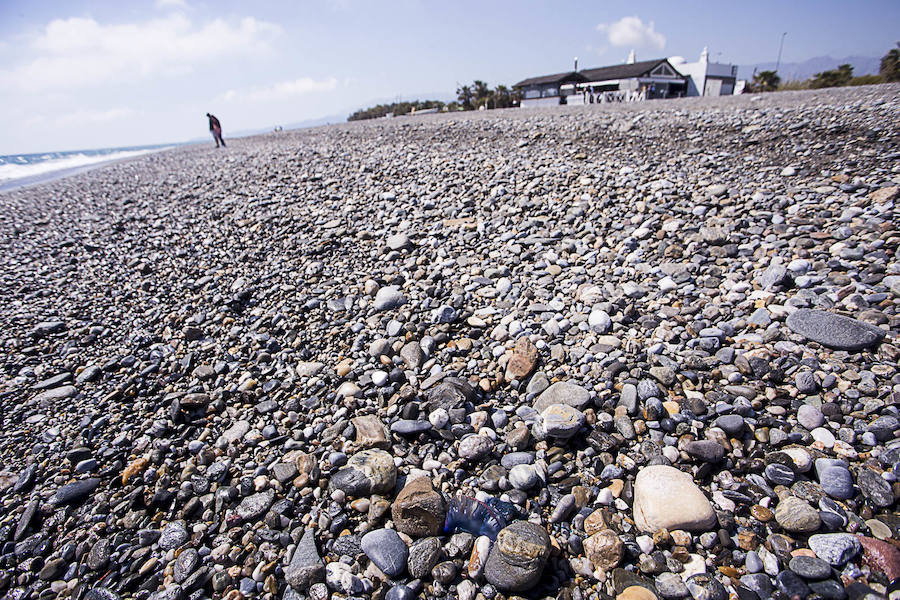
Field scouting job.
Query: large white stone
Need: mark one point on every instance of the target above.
(665, 497)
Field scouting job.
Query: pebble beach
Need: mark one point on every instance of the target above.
(643, 351)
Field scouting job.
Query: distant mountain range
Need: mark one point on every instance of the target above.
(862, 65)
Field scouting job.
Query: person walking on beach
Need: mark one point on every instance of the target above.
(216, 129)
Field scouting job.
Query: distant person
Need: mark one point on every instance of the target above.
(216, 128)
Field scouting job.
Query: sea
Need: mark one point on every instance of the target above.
(19, 170)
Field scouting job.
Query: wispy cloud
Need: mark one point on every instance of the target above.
(80, 52)
(632, 32)
(281, 90)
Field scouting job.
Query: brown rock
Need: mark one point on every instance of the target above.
(194, 401)
(419, 510)
(134, 469)
(582, 495)
(307, 467)
(636, 592)
(881, 556)
(371, 432)
(681, 538)
(748, 540)
(667, 497)
(884, 194)
(596, 522)
(604, 550)
(762, 513)
(522, 361)
(518, 437)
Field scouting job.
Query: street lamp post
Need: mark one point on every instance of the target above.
(780, 47)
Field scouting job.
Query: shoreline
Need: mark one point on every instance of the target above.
(47, 177)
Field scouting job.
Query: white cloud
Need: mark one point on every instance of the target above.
(281, 90)
(80, 52)
(632, 32)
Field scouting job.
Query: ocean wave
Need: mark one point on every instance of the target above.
(22, 168)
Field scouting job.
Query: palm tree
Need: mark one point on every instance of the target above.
(501, 97)
(482, 92)
(765, 81)
(890, 64)
(464, 95)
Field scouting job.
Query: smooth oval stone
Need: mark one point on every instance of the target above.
(475, 447)
(517, 558)
(523, 476)
(837, 482)
(791, 584)
(410, 426)
(562, 421)
(387, 550)
(706, 450)
(810, 417)
(829, 589)
(516, 458)
(253, 507)
(795, 515)
(834, 331)
(810, 567)
(75, 492)
(387, 298)
(731, 424)
(563, 392)
(400, 592)
(666, 498)
(779, 474)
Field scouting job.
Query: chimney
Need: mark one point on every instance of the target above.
(576, 64)
(630, 58)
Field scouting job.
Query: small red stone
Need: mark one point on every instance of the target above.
(881, 556)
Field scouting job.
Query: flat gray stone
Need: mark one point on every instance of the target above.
(306, 565)
(387, 298)
(834, 331)
(835, 548)
(387, 550)
(75, 492)
(563, 392)
(55, 394)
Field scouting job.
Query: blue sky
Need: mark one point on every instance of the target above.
(87, 74)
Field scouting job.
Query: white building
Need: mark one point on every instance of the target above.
(706, 78)
(649, 79)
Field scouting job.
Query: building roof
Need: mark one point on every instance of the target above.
(624, 71)
(571, 76)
